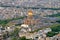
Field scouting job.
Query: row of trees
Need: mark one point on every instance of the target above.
(20, 38)
(54, 15)
(4, 22)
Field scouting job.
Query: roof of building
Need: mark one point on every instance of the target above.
(24, 25)
(58, 35)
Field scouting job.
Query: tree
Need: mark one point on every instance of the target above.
(23, 38)
(58, 21)
(51, 34)
(14, 38)
(55, 28)
(15, 32)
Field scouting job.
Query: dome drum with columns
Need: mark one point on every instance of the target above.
(30, 21)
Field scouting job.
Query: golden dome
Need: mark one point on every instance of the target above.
(30, 13)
